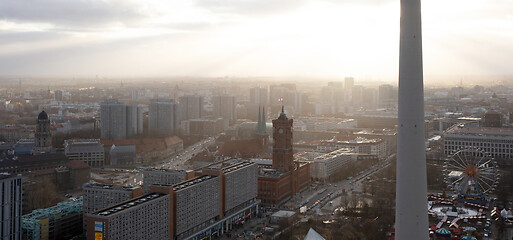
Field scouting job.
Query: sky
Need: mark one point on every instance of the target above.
(245, 38)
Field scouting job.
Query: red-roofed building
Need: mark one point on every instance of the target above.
(287, 176)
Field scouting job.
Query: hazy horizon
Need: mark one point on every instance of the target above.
(247, 39)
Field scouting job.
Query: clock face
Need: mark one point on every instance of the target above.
(280, 131)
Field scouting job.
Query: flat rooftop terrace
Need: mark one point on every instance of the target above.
(128, 204)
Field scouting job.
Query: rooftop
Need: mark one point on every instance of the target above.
(475, 130)
(128, 204)
(192, 182)
(109, 186)
(5, 175)
(338, 152)
(164, 170)
(269, 172)
(237, 166)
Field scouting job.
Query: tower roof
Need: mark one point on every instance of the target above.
(42, 116)
(282, 114)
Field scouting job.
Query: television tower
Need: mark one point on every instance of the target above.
(411, 217)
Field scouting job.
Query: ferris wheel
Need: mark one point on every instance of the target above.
(472, 172)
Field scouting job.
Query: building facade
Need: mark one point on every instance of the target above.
(90, 151)
(190, 107)
(98, 196)
(224, 107)
(145, 217)
(327, 164)
(209, 203)
(285, 177)
(496, 141)
(283, 158)
(10, 207)
(122, 155)
(163, 118)
(152, 176)
(119, 121)
(62, 221)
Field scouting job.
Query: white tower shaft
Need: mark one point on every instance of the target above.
(411, 197)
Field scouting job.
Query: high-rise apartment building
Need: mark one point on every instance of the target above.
(134, 120)
(190, 107)
(197, 204)
(98, 196)
(224, 106)
(90, 151)
(221, 196)
(119, 121)
(163, 118)
(113, 119)
(10, 207)
(145, 217)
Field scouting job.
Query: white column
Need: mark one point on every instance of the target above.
(411, 197)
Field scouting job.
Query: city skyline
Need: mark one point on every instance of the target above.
(251, 38)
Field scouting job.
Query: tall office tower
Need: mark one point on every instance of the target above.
(10, 207)
(224, 106)
(43, 135)
(411, 195)
(119, 121)
(348, 83)
(163, 118)
(58, 95)
(283, 156)
(191, 107)
(113, 119)
(258, 96)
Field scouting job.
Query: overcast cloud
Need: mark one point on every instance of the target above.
(317, 38)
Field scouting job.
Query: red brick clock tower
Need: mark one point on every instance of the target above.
(283, 156)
